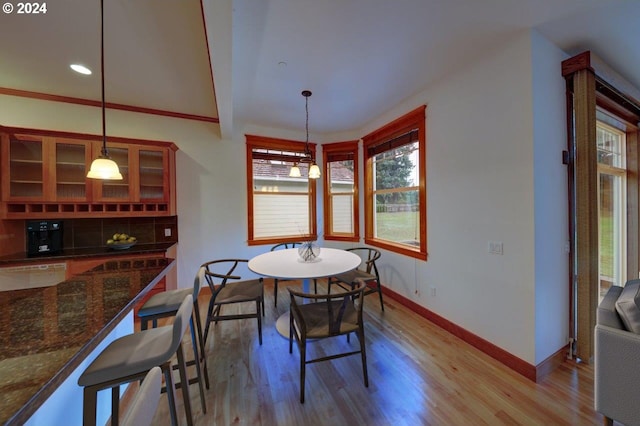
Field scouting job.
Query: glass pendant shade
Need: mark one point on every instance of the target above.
(295, 171)
(104, 168)
(314, 171)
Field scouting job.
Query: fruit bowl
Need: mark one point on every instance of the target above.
(121, 241)
(121, 245)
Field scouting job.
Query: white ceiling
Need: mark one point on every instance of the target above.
(358, 57)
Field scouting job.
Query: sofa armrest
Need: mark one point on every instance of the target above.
(617, 374)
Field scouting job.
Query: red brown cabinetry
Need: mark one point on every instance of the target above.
(44, 176)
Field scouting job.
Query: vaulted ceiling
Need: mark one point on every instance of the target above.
(246, 61)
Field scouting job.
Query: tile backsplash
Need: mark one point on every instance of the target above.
(83, 233)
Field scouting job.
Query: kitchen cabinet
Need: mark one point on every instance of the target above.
(44, 176)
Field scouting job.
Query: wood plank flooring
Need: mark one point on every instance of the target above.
(419, 374)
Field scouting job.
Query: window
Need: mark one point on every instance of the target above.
(341, 207)
(280, 208)
(612, 207)
(395, 186)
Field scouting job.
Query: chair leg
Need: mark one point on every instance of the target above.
(363, 355)
(89, 409)
(275, 292)
(303, 365)
(290, 333)
(184, 380)
(168, 380)
(380, 294)
(208, 320)
(259, 315)
(115, 405)
(202, 355)
(196, 356)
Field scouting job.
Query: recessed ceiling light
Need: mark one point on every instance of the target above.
(80, 69)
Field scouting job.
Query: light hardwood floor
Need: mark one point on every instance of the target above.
(419, 374)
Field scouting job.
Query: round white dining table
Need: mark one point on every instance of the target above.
(286, 264)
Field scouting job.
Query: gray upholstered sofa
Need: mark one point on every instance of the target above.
(617, 355)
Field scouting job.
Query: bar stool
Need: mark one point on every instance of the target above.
(166, 304)
(130, 358)
(145, 403)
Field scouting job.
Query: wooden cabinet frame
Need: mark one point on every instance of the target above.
(51, 205)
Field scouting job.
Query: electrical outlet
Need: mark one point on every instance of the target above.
(495, 247)
(167, 232)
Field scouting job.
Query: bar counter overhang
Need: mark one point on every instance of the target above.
(47, 332)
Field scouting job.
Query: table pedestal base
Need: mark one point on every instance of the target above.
(282, 325)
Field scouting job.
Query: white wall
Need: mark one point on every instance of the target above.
(551, 199)
(486, 133)
(479, 189)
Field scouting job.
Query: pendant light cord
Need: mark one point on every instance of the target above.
(105, 153)
(306, 108)
(306, 94)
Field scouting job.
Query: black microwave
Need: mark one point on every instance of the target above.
(44, 237)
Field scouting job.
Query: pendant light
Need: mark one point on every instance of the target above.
(103, 167)
(314, 170)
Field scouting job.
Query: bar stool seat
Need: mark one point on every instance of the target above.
(130, 358)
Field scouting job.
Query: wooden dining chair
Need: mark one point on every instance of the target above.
(283, 246)
(367, 273)
(225, 290)
(328, 315)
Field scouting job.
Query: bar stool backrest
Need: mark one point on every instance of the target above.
(197, 282)
(180, 323)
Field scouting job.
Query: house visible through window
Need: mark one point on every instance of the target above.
(341, 209)
(281, 208)
(395, 182)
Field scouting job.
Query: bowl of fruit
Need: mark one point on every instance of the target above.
(121, 241)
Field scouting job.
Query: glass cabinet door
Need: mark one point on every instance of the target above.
(152, 174)
(71, 170)
(117, 190)
(26, 167)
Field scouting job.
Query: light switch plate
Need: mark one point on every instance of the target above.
(167, 232)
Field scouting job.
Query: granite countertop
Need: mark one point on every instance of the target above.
(46, 332)
(67, 254)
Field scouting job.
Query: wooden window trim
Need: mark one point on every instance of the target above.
(412, 120)
(338, 151)
(253, 142)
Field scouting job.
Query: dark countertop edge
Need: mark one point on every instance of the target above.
(36, 401)
(21, 257)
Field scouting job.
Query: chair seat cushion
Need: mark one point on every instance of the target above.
(241, 291)
(352, 277)
(131, 354)
(344, 319)
(628, 306)
(164, 302)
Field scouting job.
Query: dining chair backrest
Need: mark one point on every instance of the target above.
(369, 256)
(282, 246)
(217, 279)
